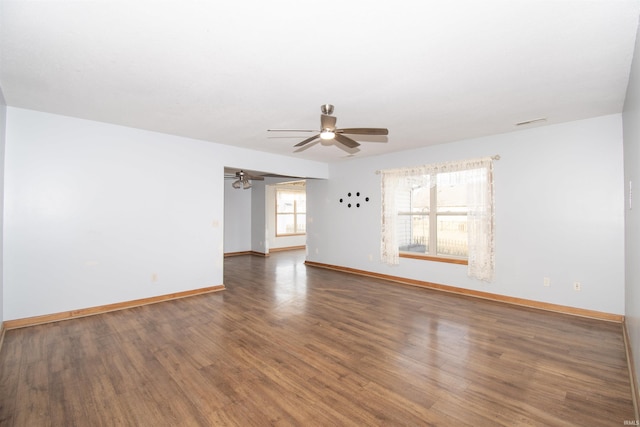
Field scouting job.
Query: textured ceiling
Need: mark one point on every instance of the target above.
(429, 71)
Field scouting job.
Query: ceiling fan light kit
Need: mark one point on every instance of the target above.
(328, 130)
(241, 184)
(327, 134)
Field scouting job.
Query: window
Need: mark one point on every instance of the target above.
(441, 231)
(441, 211)
(291, 211)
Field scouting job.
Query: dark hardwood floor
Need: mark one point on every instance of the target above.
(287, 344)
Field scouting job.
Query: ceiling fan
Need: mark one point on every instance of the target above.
(243, 180)
(328, 130)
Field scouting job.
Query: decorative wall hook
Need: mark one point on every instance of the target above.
(354, 199)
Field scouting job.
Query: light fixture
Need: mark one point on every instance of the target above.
(327, 134)
(244, 180)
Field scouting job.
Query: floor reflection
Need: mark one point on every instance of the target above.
(290, 289)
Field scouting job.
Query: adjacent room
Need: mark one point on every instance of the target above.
(274, 213)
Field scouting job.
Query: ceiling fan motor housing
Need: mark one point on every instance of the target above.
(326, 109)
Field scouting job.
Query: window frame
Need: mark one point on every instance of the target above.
(295, 212)
(432, 216)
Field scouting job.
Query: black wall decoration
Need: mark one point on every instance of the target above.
(354, 199)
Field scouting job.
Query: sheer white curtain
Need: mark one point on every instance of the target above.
(478, 177)
(394, 181)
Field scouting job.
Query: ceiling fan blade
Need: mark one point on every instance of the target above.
(327, 122)
(255, 178)
(291, 130)
(364, 131)
(346, 141)
(308, 140)
(306, 147)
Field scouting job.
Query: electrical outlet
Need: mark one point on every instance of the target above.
(577, 286)
(154, 277)
(546, 281)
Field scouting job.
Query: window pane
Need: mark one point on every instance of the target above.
(452, 235)
(452, 214)
(417, 238)
(420, 198)
(404, 231)
(285, 224)
(301, 205)
(288, 200)
(413, 218)
(452, 193)
(301, 223)
(285, 206)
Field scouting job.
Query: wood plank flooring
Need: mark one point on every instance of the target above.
(288, 344)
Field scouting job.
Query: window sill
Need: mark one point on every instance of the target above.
(434, 258)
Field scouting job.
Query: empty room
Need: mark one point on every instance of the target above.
(345, 213)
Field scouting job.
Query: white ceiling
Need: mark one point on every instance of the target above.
(429, 71)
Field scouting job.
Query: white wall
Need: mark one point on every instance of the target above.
(237, 219)
(94, 212)
(559, 214)
(259, 241)
(631, 126)
(3, 126)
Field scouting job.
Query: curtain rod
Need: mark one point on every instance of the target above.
(378, 172)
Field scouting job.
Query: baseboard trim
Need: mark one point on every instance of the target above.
(478, 294)
(287, 248)
(73, 314)
(633, 379)
(2, 331)
(256, 253)
(230, 254)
